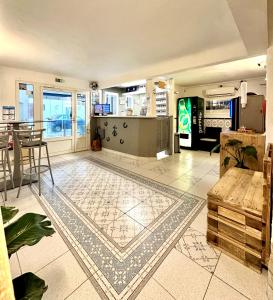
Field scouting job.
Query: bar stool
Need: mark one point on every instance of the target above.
(25, 156)
(31, 140)
(5, 159)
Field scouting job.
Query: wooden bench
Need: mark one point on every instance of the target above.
(239, 214)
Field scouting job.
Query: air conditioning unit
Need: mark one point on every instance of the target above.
(220, 92)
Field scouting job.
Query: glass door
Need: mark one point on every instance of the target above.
(56, 113)
(64, 115)
(81, 122)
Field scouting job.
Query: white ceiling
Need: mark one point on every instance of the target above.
(107, 39)
(235, 70)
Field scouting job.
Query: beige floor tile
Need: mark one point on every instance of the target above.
(26, 202)
(183, 183)
(200, 223)
(145, 213)
(62, 276)
(14, 266)
(166, 178)
(243, 279)
(36, 257)
(123, 230)
(200, 170)
(183, 278)
(202, 187)
(220, 290)
(154, 291)
(145, 172)
(85, 291)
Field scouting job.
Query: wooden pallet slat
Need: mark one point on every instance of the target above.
(239, 208)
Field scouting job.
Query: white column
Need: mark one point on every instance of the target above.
(269, 96)
(151, 100)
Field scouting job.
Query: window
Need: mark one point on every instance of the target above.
(26, 106)
(57, 113)
(112, 99)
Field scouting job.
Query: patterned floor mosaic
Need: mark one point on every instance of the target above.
(119, 225)
(194, 245)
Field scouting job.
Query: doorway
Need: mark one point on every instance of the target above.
(65, 119)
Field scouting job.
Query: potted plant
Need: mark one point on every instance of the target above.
(237, 152)
(29, 229)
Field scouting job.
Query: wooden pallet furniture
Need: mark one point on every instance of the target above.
(253, 139)
(239, 208)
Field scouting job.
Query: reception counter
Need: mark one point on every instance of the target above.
(139, 136)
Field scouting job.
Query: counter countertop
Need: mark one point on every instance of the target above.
(130, 117)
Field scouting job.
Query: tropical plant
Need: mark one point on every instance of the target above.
(237, 152)
(29, 229)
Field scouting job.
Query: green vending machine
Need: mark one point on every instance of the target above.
(190, 121)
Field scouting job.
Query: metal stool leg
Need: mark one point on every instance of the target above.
(22, 173)
(10, 170)
(49, 166)
(39, 170)
(5, 172)
(30, 166)
(33, 157)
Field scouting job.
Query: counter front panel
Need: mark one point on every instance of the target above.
(137, 136)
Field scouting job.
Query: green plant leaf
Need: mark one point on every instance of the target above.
(251, 151)
(27, 230)
(233, 143)
(215, 149)
(226, 161)
(8, 213)
(29, 287)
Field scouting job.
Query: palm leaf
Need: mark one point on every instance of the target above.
(233, 143)
(27, 230)
(251, 151)
(226, 161)
(215, 149)
(8, 213)
(29, 286)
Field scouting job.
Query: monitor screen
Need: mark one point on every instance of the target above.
(106, 108)
(98, 109)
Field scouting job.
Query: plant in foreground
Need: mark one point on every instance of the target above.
(29, 229)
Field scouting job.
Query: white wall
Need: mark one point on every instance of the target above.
(9, 76)
(255, 85)
(8, 96)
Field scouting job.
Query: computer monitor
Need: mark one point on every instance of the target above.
(98, 109)
(106, 109)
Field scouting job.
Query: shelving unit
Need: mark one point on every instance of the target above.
(162, 103)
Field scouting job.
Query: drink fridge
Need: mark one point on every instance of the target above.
(190, 121)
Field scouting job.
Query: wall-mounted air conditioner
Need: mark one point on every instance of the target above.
(220, 92)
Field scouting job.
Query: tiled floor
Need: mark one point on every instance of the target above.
(192, 269)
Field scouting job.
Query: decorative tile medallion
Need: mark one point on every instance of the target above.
(119, 225)
(194, 245)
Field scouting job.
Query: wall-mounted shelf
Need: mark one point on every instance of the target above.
(162, 103)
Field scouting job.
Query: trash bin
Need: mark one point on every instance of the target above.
(176, 143)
